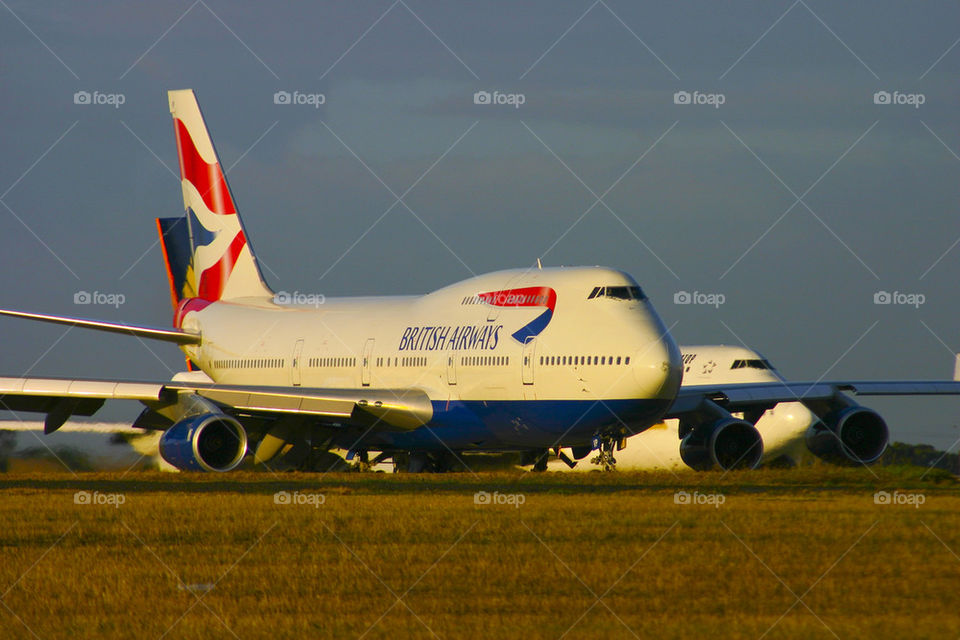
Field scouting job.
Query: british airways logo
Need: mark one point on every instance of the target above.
(455, 338)
(525, 297)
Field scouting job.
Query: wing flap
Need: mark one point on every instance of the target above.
(76, 388)
(394, 408)
(59, 398)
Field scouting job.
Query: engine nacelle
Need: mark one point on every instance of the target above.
(850, 436)
(205, 442)
(727, 443)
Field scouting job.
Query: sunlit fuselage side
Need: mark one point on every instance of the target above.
(512, 359)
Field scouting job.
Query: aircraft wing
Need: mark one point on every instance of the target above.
(397, 408)
(763, 395)
(59, 398)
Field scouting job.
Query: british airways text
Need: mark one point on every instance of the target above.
(450, 338)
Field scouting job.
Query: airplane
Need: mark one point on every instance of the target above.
(515, 360)
(784, 428)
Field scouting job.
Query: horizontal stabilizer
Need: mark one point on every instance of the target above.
(154, 333)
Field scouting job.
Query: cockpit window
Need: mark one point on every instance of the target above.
(618, 293)
(751, 364)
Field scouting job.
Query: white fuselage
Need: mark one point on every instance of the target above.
(509, 359)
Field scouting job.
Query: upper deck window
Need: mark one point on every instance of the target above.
(618, 293)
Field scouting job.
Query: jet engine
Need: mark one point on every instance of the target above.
(849, 435)
(204, 442)
(727, 443)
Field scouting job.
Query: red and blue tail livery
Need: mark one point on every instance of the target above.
(222, 265)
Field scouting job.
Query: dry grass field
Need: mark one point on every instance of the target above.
(772, 554)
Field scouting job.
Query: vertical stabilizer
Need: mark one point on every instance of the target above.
(222, 265)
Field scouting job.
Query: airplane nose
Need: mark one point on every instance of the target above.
(658, 368)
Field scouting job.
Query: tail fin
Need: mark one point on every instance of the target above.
(221, 263)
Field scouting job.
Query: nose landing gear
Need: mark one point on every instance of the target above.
(604, 446)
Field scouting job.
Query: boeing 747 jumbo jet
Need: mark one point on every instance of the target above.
(498, 362)
(789, 430)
